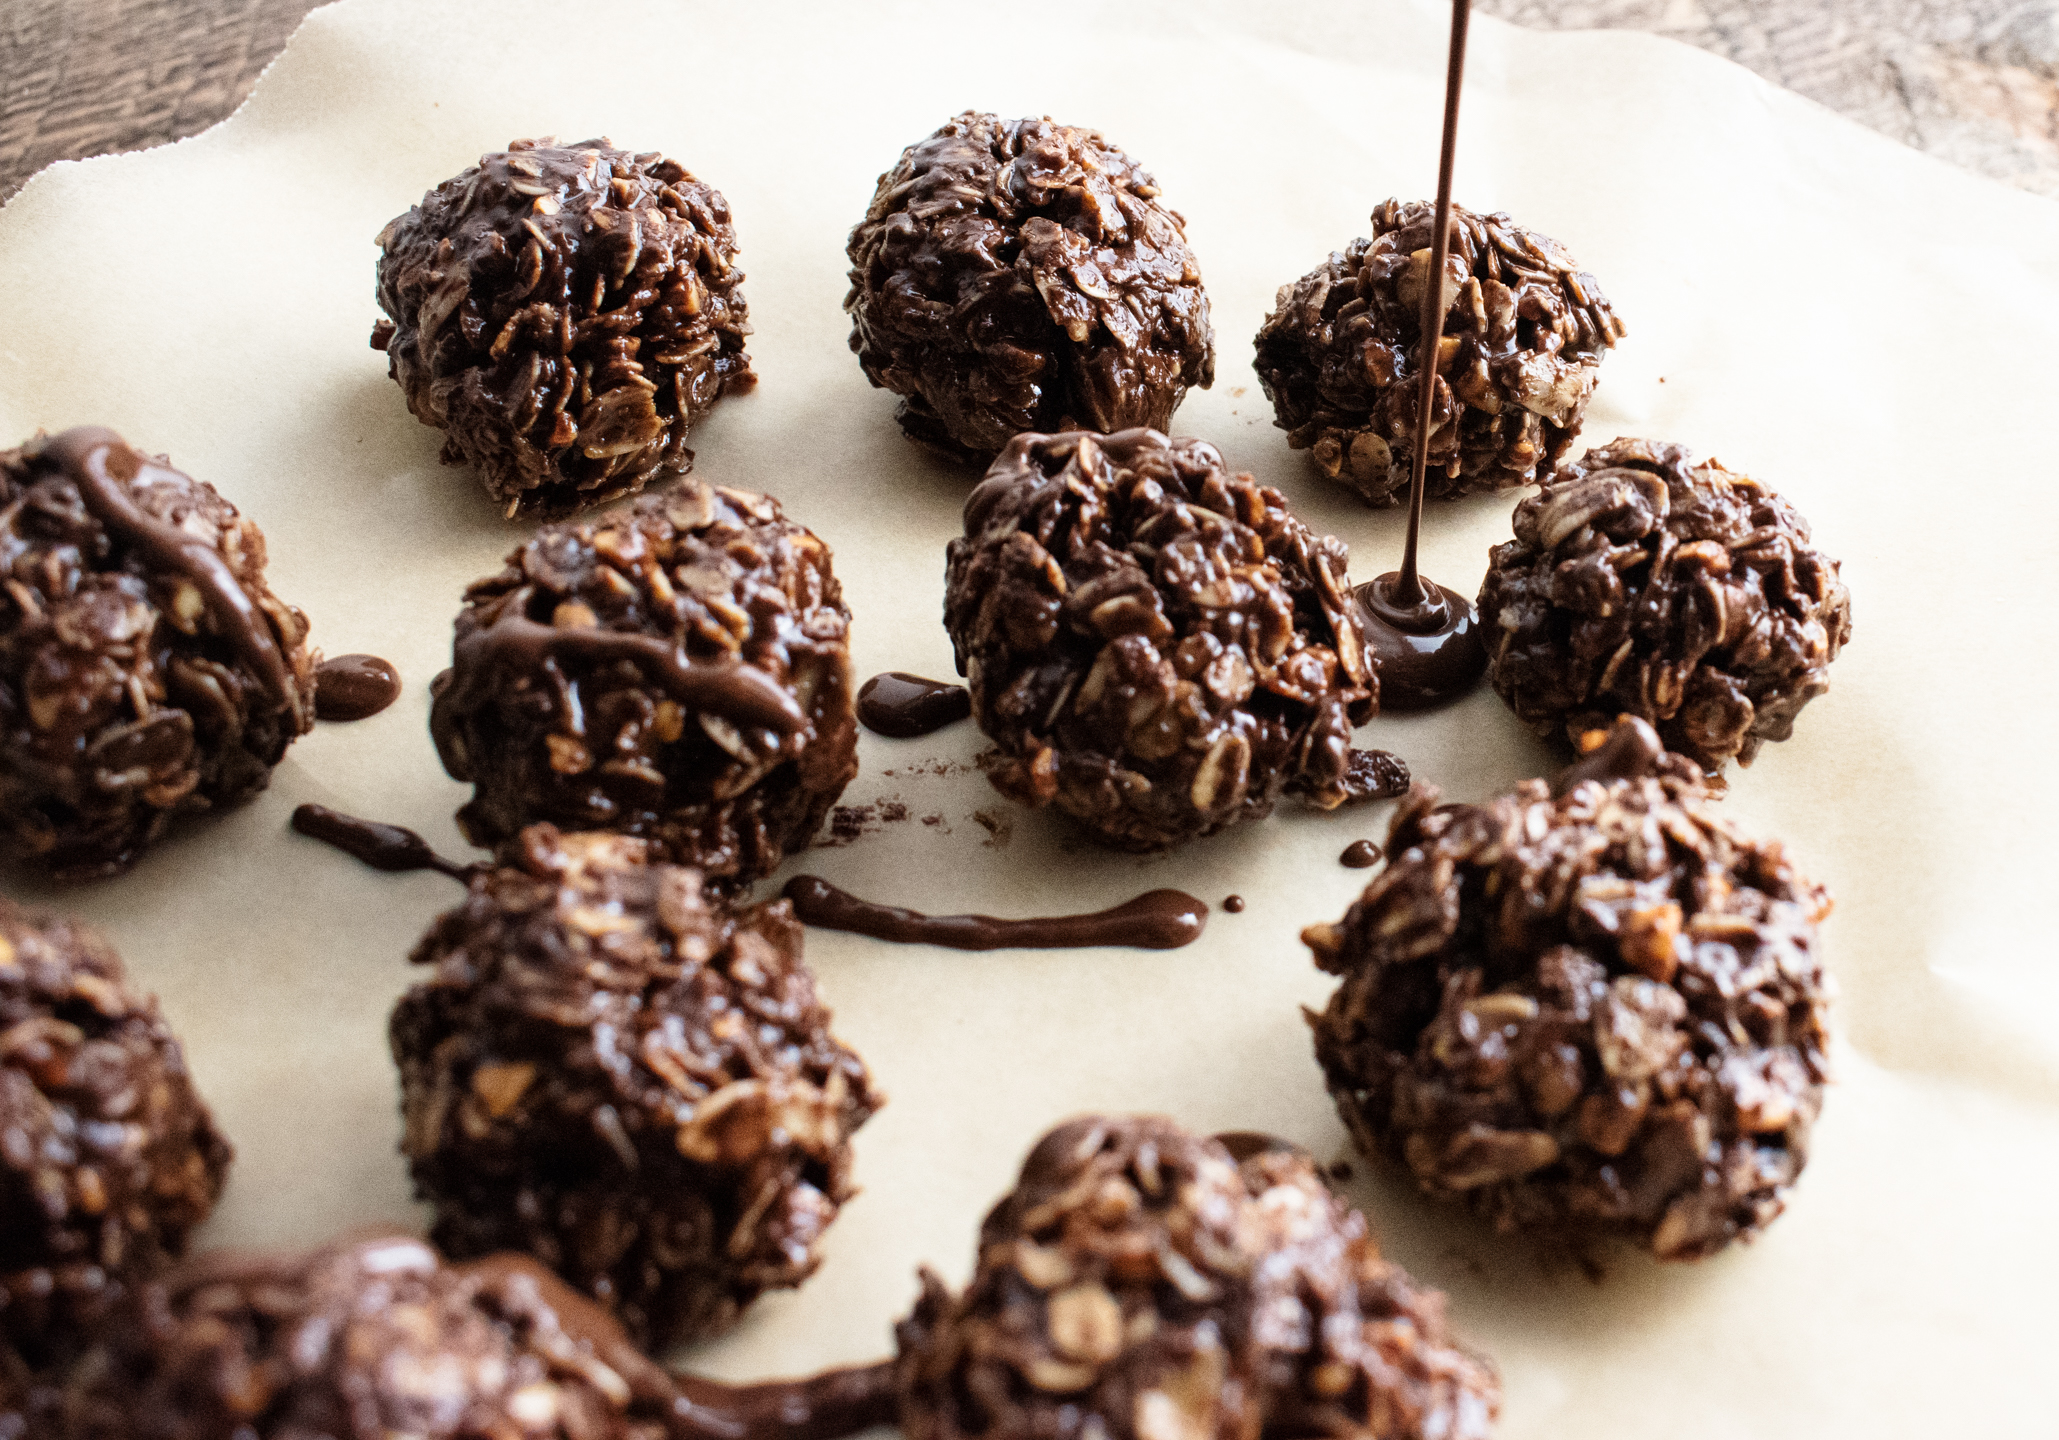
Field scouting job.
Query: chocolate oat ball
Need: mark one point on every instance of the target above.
(1522, 341)
(1018, 275)
(1596, 1009)
(632, 1082)
(1155, 644)
(364, 1340)
(564, 314)
(678, 671)
(1644, 582)
(1141, 1284)
(146, 669)
(108, 1157)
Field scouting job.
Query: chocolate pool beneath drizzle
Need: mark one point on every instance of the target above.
(1156, 920)
(1429, 652)
(903, 707)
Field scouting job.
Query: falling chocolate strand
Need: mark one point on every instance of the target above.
(104, 468)
(1423, 635)
(1156, 920)
(392, 848)
(905, 706)
(354, 687)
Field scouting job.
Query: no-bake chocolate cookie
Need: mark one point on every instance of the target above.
(1523, 338)
(1141, 1283)
(564, 314)
(614, 1073)
(1023, 275)
(147, 671)
(1643, 582)
(1594, 1006)
(1155, 644)
(679, 671)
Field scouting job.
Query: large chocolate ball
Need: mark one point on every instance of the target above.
(564, 314)
(633, 1083)
(1016, 275)
(147, 671)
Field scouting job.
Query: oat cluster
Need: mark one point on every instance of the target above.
(1155, 644)
(1141, 1284)
(678, 671)
(1643, 582)
(564, 314)
(632, 1082)
(1524, 335)
(108, 1157)
(1023, 275)
(1596, 1010)
(147, 671)
(363, 1340)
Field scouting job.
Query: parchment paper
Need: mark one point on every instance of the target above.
(1866, 329)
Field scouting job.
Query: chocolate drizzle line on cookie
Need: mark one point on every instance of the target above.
(1424, 635)
(105, 469)
(1156, 920)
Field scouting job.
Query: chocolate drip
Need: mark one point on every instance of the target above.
(1234, 904)
(514, 643)
(1631, 752)
(905, 706)
(104, 469)
(821, 1407)
(354, 687)
(1360, 855)
(383, 847)
(1157, 920)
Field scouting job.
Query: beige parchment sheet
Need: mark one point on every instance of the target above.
(1866, 329)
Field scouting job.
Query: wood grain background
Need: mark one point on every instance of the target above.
(1975, 82)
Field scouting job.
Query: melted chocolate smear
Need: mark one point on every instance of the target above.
(105, 469)
(905, 706)
(354, 687)
(1234, 904)
(1429, 653)
(1360, 855)
(1243, 1144)
(1374, 775)
(821, 1407)
(383, 847)
(1157, 920)
(1631, 751)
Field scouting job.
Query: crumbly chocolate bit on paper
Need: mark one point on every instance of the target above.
(1641, 581)
(678, 671)
(1156, 645)
(1022, 275)
(1143, 1283)
(1596, 1010)
(1522, 342)
(618, 1075)
(146, 669)
(108, 1157)
(564, 314)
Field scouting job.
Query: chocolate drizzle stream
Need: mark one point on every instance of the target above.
(1360, 855)
(513, 642)
(354, 687)
(1156, 920)
(104, 469)
(905, 706)
(1423, 635)
(383, 847)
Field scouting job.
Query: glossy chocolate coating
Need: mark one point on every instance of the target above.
(1155, 920)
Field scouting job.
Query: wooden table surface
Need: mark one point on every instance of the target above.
(1975, 82)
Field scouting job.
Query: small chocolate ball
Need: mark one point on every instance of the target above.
(146, 669)
(363, 1340)
(108, 1157)
(1643, 582)
(679, 671)
(1155, 644)
(1140, 1283)
(564, 314)
(636, 1085)
(1022, 275)
(1522, 341)
(1599, 1009)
